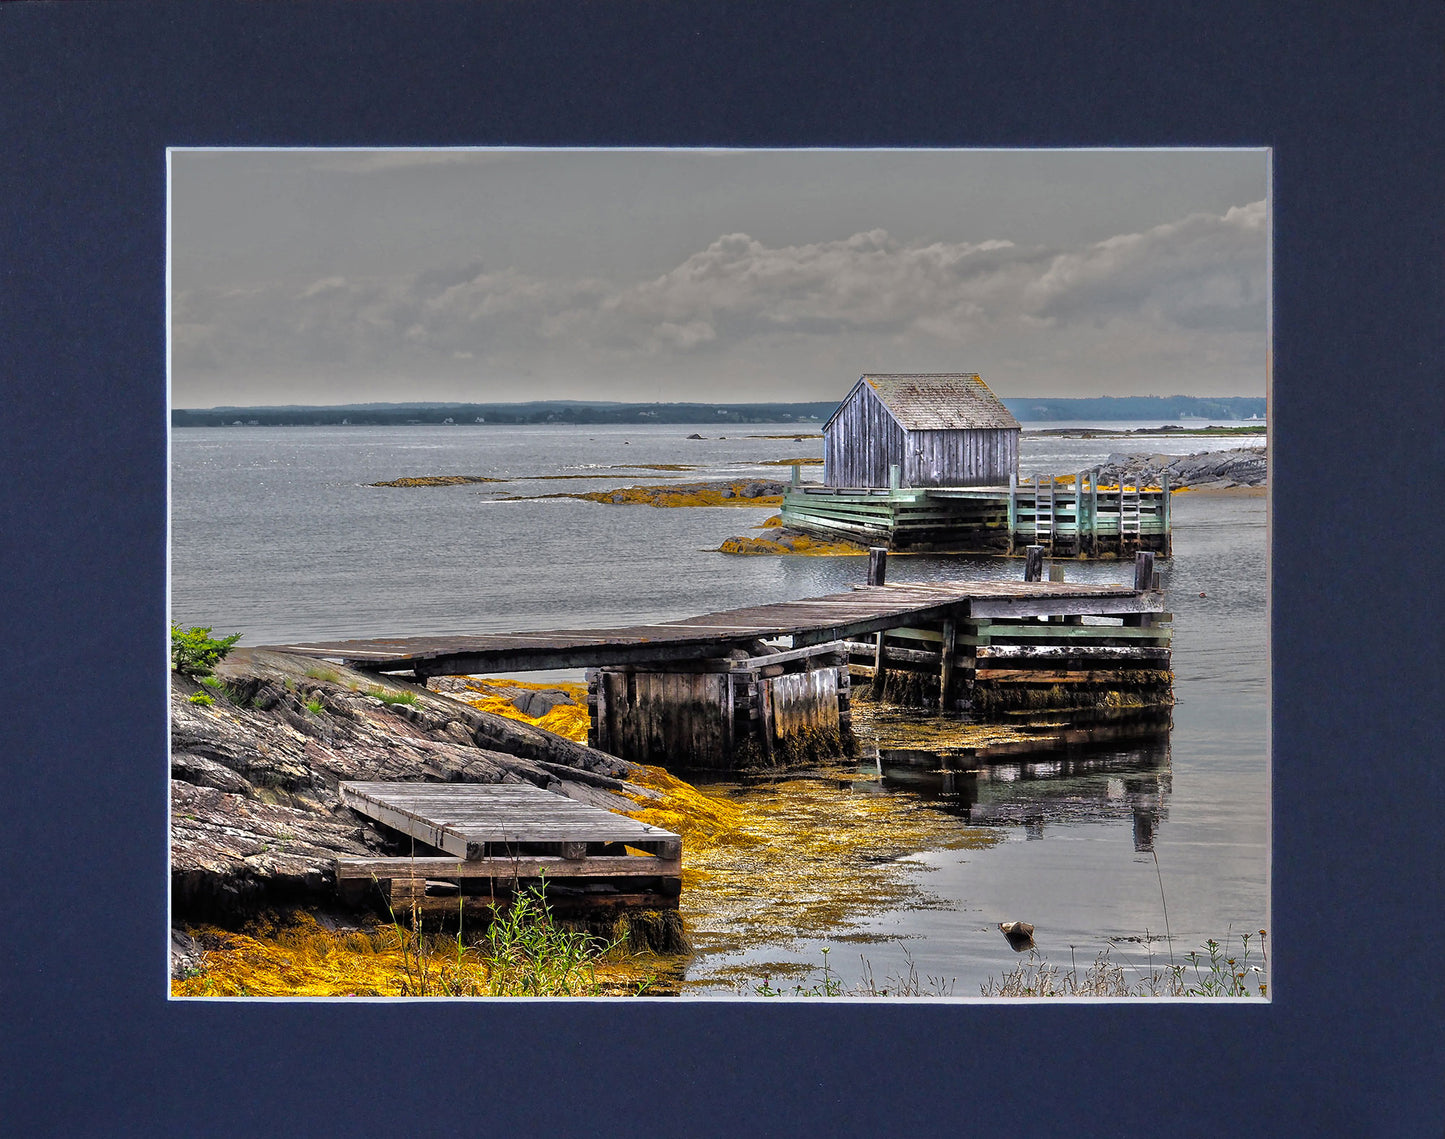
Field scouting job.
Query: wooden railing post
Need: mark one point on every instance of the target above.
(1013, 510)
(1093, 512)
(877, 565)
(1079, 512)
(1167, 546)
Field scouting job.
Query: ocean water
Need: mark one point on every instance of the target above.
(276, 533)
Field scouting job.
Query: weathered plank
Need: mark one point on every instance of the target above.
(505, 869)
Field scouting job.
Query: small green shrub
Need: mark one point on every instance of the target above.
(315, 706)
(394, 697)
(194, 652)
(202, 698)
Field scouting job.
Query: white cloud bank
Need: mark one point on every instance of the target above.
(1178, 307)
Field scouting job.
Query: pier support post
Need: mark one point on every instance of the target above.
(1033, 563)
(877, 565)
(945, 666)
(880, 667)
(1013, 510)
(1144, 569)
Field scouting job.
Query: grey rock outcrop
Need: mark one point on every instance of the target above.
(1243, 467)
(255, 814)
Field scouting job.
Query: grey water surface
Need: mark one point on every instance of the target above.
(277, 534)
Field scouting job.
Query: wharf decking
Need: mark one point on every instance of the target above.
(1075, 517)
(483, 834)
(808, 622)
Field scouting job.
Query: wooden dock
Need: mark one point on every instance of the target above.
(1074, 517)
(494, 838)
(811, 621)
(770, 686)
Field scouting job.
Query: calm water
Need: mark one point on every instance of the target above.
(276, 533)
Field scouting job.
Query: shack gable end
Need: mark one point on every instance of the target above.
(941, 429)
(861, 441)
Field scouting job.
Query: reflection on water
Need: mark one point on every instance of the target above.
(276, 533)
(1097, 785)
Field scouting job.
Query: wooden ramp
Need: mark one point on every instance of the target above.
(810, 621)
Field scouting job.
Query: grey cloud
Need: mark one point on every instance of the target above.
(1166, 286)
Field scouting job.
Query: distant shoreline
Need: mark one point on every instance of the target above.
(595, 413)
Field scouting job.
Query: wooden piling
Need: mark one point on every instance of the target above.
(945, 667)
(1033, 563)
(1144, 569)
(877, 565)
(880, 667)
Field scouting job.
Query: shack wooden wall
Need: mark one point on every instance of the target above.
(861, 442)
(864, 440)
(974, 457)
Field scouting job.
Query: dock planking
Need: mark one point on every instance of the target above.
(499, 838)
(474, 821)
(809, 621)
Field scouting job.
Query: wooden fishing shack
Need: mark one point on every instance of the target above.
(937, 428)
(929, 461)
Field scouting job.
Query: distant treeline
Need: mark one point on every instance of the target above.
(542, 411)
(585, 411)
(1139, 407)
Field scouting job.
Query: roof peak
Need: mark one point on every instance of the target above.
(937, 401)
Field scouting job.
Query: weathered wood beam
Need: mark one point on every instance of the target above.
(505, 869)
(1045, 606)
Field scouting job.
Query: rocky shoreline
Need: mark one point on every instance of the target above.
(1203, 470)
(255, 817)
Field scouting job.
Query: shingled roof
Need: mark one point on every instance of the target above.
(938, 401)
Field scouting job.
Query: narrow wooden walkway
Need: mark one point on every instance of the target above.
(810, 621)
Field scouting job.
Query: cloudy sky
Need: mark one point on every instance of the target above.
(345, 276)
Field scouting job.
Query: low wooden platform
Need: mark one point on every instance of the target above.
(491, 834)
(1075, 517)
(474, 821)
(810, 621)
